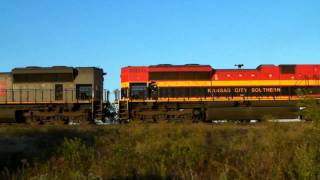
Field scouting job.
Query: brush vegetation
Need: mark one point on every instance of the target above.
(311, 107)
(165, 150)
(162, 151)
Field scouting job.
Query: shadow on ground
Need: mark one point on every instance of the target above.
(35, 144)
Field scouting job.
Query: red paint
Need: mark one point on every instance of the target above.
(134, 74)
(201, 68)
(3, 88)
(262, 72)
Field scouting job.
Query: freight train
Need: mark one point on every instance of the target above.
(202, 93)
(59, 94)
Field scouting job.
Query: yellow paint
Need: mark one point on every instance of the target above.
(124, 84)
(218, 99)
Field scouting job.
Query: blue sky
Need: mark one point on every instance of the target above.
(114, 33)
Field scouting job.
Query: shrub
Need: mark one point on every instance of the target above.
(181, 151)
(311, 107)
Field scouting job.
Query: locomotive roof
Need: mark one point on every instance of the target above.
(183, 65)
(34, 69)
(177, 67)
(53, 69)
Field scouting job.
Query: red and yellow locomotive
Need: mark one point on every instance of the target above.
(202, 93)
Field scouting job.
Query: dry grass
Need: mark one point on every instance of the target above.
(163, 150)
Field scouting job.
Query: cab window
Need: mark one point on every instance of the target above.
(84, 91)
(138, 91)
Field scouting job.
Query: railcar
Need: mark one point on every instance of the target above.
(202, 93)
(51, 95)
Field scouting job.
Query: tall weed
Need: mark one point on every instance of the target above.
(182, 151)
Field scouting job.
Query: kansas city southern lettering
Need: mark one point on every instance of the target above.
(265, 90)
(220, 90)
(245, 90)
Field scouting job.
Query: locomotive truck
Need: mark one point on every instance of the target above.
(52, 95)
(202, 93)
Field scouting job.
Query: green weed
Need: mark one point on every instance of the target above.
(174, 151)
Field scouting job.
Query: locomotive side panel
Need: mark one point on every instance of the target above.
(58, 92)
(42, 85)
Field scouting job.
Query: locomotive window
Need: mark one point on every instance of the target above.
(58, 92)
(84, 91)
(287, 69)
(138, 91)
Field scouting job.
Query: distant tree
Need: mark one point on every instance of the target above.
(116, 94)
(108, 95)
